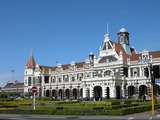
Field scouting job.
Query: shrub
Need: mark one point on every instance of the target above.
(59, 108)
(6, 99)
(136, 109)
(98, 108)
(66, 102)
(128, 101)
(44, 99)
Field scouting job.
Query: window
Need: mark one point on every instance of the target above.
(34, 82)
(134, 72)
(40, 79)
(53, 79)
(88, 75)
(59, 80)
(100, 73)
(29, 81)
(46, 79)
(95, 74)
(156, 71)
(79, 76)
(65, 78)
(73, 79)
(107, 73)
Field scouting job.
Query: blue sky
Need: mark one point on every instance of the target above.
(66, 30)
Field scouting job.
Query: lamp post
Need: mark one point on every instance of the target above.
(149, 74)
(152, 85)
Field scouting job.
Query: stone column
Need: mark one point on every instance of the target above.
(78, 92)
(123, 91)
(123, 88)
(129, 72)
(84, 93)
(112, 92)
(70, 93)
(63, 93)
(103, 92)
(31, 81)
(91, 93)
(42, 86)
(57, 93)
(140, 71)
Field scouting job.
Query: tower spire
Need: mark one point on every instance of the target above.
(31, 61)
(106, 35)
(31, 52)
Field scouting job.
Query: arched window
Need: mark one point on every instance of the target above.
(107, 73)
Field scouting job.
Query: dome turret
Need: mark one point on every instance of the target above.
(123, 36)
(123, 30)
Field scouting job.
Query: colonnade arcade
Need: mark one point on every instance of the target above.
(67, 93)
(100, 92)
(142, 90)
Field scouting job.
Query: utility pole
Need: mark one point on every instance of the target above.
(152, 86)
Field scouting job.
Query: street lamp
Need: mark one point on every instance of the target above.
(149, 74)
(152, 86)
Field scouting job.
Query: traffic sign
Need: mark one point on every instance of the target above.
(34, 89)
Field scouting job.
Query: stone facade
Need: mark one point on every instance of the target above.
(117, 72)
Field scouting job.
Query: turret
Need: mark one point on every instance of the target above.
(123, 36)
(123, 39)
(31, 62)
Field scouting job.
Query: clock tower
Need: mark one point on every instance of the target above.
(123, 39)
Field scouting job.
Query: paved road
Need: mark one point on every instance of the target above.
(140, 116)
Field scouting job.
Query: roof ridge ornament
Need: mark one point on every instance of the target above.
(107, 28)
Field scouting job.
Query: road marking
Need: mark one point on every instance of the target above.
(130, 118)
